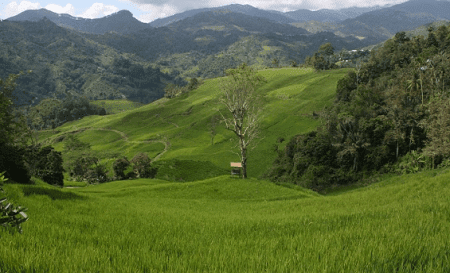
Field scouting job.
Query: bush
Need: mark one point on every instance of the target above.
(316, 177)
(412, 162)
(79, 168)
(96, 174)
(49, 167)
(119, 166)
(141, 166)
(10, 216)
(13, 164)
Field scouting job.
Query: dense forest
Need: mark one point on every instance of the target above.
(62, 62)
(391, 114)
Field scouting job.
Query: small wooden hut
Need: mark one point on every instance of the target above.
(236, 168)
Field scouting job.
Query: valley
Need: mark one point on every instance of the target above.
(115, 152)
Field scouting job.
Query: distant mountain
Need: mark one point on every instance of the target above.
(323, 15)
(244, 9)
(64, 62)
(120, 22)
(438, 9)
(206, 44)
(384, 23)
(224, 20)
(422, 30)
(353, 12)
(302, 15)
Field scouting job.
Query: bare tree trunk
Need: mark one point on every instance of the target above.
(243, 157)
(396, 151)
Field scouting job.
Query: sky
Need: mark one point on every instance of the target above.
(149, 10)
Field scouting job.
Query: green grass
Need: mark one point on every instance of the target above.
(290, 96)
(401, 224)
(74, 184)
(117, 106)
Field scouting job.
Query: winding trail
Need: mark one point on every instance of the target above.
(126, 139)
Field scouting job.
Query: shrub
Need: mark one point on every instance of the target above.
(411, 163)
(10, 216)
(49, 166)
(141, 166)
(12, 162)
(316, 177)
(96, 174)
(119, 166)
(81, 165)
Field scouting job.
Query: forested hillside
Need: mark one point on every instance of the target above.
(375, 26)
(121, 22)
(64, 62)
(390, 115)
(208, 43)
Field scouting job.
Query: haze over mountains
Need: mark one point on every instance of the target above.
(120, 22)
(372, 23)
(302, 15)
(82, 56)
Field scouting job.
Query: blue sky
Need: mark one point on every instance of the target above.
(149, 10)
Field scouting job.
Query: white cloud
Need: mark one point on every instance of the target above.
(69, 8)
(13, 8)
(163, 8)
(99, 10)
(154, 12)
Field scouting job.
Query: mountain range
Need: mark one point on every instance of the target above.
(120, 22)
(302, 15)
(372, 24)
(97, 57)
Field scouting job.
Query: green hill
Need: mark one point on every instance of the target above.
(117, 106)
(400, 224)
(63, 62)
(178, 128)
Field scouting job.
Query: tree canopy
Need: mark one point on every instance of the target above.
(240, 100)
(395, 105)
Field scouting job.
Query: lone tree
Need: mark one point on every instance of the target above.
(240, 99)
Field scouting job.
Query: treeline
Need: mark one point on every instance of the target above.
(140, 79)
(51, 113)
(20, 154)
(63, 61)
(173, 90)
(84, 164)
(22, 157)
(326, 58)
(392, 114)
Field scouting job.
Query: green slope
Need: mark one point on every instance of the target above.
(228, 225)
(116, 106)
(179, 128)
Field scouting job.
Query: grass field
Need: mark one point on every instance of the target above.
(194, 218)
(178, 129)
(401, 224)
(117, 106)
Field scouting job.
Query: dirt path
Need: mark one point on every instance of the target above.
(126, 139)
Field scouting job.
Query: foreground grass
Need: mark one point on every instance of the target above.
(230, 225)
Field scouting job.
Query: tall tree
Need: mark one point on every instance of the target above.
(12, 130)
(240, 99)
(326, 49)
(437, 126)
